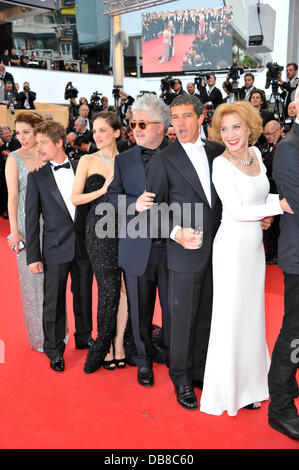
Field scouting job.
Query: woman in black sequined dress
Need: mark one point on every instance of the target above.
(114, 345)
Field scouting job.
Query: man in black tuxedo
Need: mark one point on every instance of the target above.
(142, 258)
(273, 133)
(211, 92)
(49, 195)
(283, 387)
(181, 173)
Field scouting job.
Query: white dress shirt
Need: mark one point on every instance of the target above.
(199, 160)
(64, 178)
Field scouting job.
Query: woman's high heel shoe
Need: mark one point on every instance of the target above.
(109, 365)
(120, 363)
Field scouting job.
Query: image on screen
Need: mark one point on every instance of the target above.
(187, 40)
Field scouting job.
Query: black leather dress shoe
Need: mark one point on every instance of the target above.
(145, 376)
(186, 396)
(289, 427)
(85, 346)
(57, 364)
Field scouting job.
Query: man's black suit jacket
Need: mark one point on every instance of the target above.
(61, 235)
(130, 181)
(173, 179)
(286, 176)
(22, 98)
(215, 96)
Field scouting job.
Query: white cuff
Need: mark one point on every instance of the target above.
(174, 231)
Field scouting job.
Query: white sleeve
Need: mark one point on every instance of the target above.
(223, 179)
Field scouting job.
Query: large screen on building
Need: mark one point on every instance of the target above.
(187, 40)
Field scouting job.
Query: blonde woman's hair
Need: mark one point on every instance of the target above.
(246, 112)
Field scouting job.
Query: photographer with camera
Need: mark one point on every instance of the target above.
(26, 97)
(210, 92)
(7, 77)
(83, 113)
(105, 105)
(191, 90)
(10, 98)
(126, 101)
(289, 86)
(95, 102)
(71, 93)
(170, 88)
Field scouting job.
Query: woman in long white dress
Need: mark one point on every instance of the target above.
(238, 359)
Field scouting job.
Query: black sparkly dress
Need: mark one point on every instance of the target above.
(103, 255)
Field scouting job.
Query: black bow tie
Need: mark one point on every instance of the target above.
(147, 154)
(64, 165)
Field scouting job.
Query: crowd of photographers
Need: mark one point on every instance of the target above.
(12, 96)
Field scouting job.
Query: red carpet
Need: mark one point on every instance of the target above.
(41, 409)
(153, 49)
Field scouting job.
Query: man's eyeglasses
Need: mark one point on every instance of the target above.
(270, 133)
(142, 124)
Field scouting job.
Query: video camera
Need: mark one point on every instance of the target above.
(167, 83)
(199, 77)
(10, 105)
(95, 97)
(273, 73)
(70, 91)
(235, 71)
(288, 125)
(234, 74)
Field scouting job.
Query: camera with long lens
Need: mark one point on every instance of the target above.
(95, 101)
(272, 76)
(198, 79)
(235, 71)
(288, 125)
(234, 75)
(70, 91)
(95, 97)
(116, 92)
(11, 107)
(210, 110)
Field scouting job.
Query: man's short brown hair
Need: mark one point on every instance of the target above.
(52, 129)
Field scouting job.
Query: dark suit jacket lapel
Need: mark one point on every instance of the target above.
(211, 156)
(183, 163)
(74, 164)
(139, 174)
(53, 188)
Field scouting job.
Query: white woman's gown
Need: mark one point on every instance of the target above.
(238, 359)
